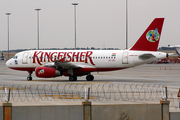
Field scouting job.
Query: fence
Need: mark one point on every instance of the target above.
(98, 92)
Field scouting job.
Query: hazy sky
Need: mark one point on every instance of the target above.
(99, 22)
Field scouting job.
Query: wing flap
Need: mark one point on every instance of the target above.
(65, 65)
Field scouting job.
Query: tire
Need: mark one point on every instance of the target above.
(29, 78)
(72, 78)
(89, 77)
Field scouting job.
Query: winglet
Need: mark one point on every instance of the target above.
(150, 38)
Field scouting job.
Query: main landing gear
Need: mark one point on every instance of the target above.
(88, 78)
(72, 78)
(29, 78)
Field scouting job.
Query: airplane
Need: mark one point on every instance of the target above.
(75, 63)
(177, 48)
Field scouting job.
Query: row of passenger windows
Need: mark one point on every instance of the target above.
(76, 57)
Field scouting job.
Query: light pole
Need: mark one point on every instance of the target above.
(38, 25)
(8, 30)
(126, 24)
(75, 21)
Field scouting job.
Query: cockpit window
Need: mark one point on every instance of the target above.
(15, 57)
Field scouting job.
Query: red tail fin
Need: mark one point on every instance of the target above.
(150, 38)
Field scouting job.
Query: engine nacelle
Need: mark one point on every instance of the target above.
(47, 72)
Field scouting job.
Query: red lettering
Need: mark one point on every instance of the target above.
(42, 56)
(48, 55)
(75, 55)
(53, 56)
(88, 55)
(64, 57)
(35, 57)
(60, 56)
(82, 56)
(69, 57)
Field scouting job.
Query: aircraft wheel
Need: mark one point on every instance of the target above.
(29, 78)
(72, 78)
(89, 77)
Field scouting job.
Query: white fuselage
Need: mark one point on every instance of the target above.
(102, 60)
(73, 63)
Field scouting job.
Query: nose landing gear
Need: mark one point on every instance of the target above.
(29, 78)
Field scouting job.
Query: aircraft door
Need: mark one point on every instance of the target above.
(125, 58)
(25, 58)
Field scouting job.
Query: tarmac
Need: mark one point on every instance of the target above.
(168, 74)
(164, 74)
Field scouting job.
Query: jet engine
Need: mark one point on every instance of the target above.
(47, 72)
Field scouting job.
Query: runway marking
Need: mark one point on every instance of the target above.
(86, 83)
(12, 88)
(70, 82)
(3, 74)
(103, 74)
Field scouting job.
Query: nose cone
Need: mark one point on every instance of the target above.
(8, 63)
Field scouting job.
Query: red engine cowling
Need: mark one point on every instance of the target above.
(47, 72)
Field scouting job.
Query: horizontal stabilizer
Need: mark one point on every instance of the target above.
(146, 56)
(177, 48)
(172, 54)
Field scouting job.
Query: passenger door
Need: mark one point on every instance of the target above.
(25, 58)
(125, 58)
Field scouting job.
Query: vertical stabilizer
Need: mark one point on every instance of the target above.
(150, 38)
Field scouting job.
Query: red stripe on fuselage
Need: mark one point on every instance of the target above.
(75, 70)
(23, 69)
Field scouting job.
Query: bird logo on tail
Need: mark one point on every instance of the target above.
(152, 35)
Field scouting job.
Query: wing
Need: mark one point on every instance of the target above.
(65, 65)
(69, 66)
(62, 64)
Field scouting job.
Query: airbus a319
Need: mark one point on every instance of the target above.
(75, 63)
